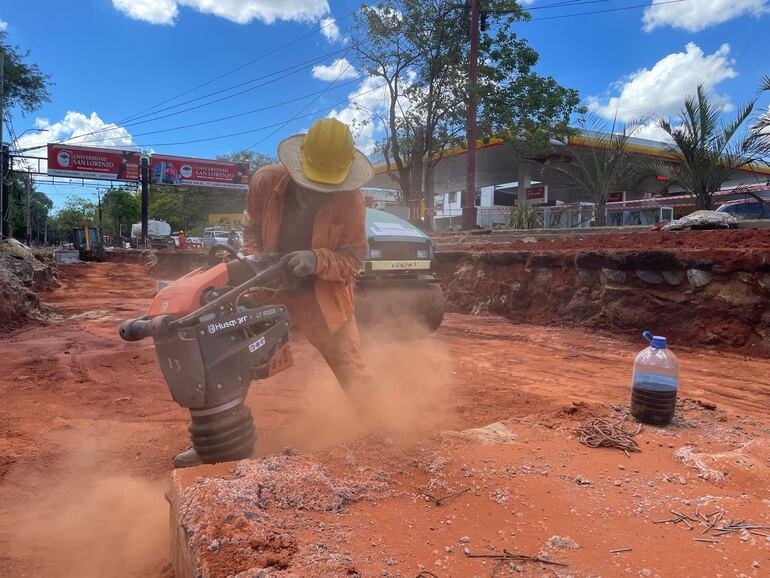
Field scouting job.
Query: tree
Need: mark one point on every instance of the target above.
(605, 167)
(119, 207)
(40, 206)
(761, 127)
(76, 212)
(255, 160)
(419, 51)
(709, 151)
(25, 86)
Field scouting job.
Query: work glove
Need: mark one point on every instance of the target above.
(302, 263)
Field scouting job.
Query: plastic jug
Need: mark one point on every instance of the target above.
(655, 382)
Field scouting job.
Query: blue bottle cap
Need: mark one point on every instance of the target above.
(659, 342)
(656, 341)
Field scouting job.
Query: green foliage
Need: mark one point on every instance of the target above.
(40, 205)
(76, 212)
(256, 160)
(120, 207)
(419, 48)
(526, 217)
(25, 86)
(708, 150)
(604, 167)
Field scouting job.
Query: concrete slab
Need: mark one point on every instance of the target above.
(66, 256)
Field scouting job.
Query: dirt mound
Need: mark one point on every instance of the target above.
(251, 522)
(648, 240)
(23, 272)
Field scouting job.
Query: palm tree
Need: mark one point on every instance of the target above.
(605, 166)
(762, 126)
(707, 151)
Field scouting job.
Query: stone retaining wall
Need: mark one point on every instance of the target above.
(712, 297)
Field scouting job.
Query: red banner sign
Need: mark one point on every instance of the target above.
(168, 170)
(537, 193)
(616, 197)
(93, 163)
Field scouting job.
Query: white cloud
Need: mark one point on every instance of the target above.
(694, 18)
(238, 11)
(369, 99)
(76, 124)
(152, 11)
(330, 30)
(340, 69)
(3, 25)
(661, 89)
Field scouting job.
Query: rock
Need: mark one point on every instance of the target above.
(464, 540)
(702, 220)
(586, 278)
(764, 281)
(562, 543)
(698, 278)
(583, 481)
(645, 572)
(650, 277)
(494, 433)
(614, 275)
(213, 546)
(755, 564)
(673, 278)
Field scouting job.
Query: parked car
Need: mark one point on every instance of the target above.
(746, 209)
(213, 236)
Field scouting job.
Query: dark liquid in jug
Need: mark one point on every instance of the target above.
(652, 403)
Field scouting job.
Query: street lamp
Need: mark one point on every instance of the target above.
(27, 149)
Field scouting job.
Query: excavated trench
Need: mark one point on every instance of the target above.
(698, 288)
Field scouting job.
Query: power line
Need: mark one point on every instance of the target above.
(242, 66)
(240, 114)
(282, 74)
(265, 127)
(320, 94)
(606, 10)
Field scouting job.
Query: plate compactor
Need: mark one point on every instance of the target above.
(213, 336)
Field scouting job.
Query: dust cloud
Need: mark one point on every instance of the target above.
(414, 380)
(112, 527)
(81, 522)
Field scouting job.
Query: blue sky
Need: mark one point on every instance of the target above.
(111, 59)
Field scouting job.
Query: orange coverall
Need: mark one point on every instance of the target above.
(325, 315)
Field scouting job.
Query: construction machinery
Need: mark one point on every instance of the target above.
(89, 243)
(397, 287)
(213, 335)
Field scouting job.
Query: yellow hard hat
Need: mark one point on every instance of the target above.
(327, 151)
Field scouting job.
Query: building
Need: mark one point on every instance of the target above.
(506, 178)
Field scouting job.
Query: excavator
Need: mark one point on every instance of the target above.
(89, 243)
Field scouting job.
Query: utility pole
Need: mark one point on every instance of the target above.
(469, 199)
(3, 208)
(145, 176)
(28, 208)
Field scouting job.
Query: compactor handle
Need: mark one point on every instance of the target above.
(138, 329)
(135, 329)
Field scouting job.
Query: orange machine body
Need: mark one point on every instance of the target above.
(184, 295)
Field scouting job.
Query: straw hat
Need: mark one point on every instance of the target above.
(325, 159)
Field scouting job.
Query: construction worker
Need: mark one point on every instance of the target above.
(232, 239)
(182, 240)
(310, 209)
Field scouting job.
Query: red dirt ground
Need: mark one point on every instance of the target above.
(87, 428)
